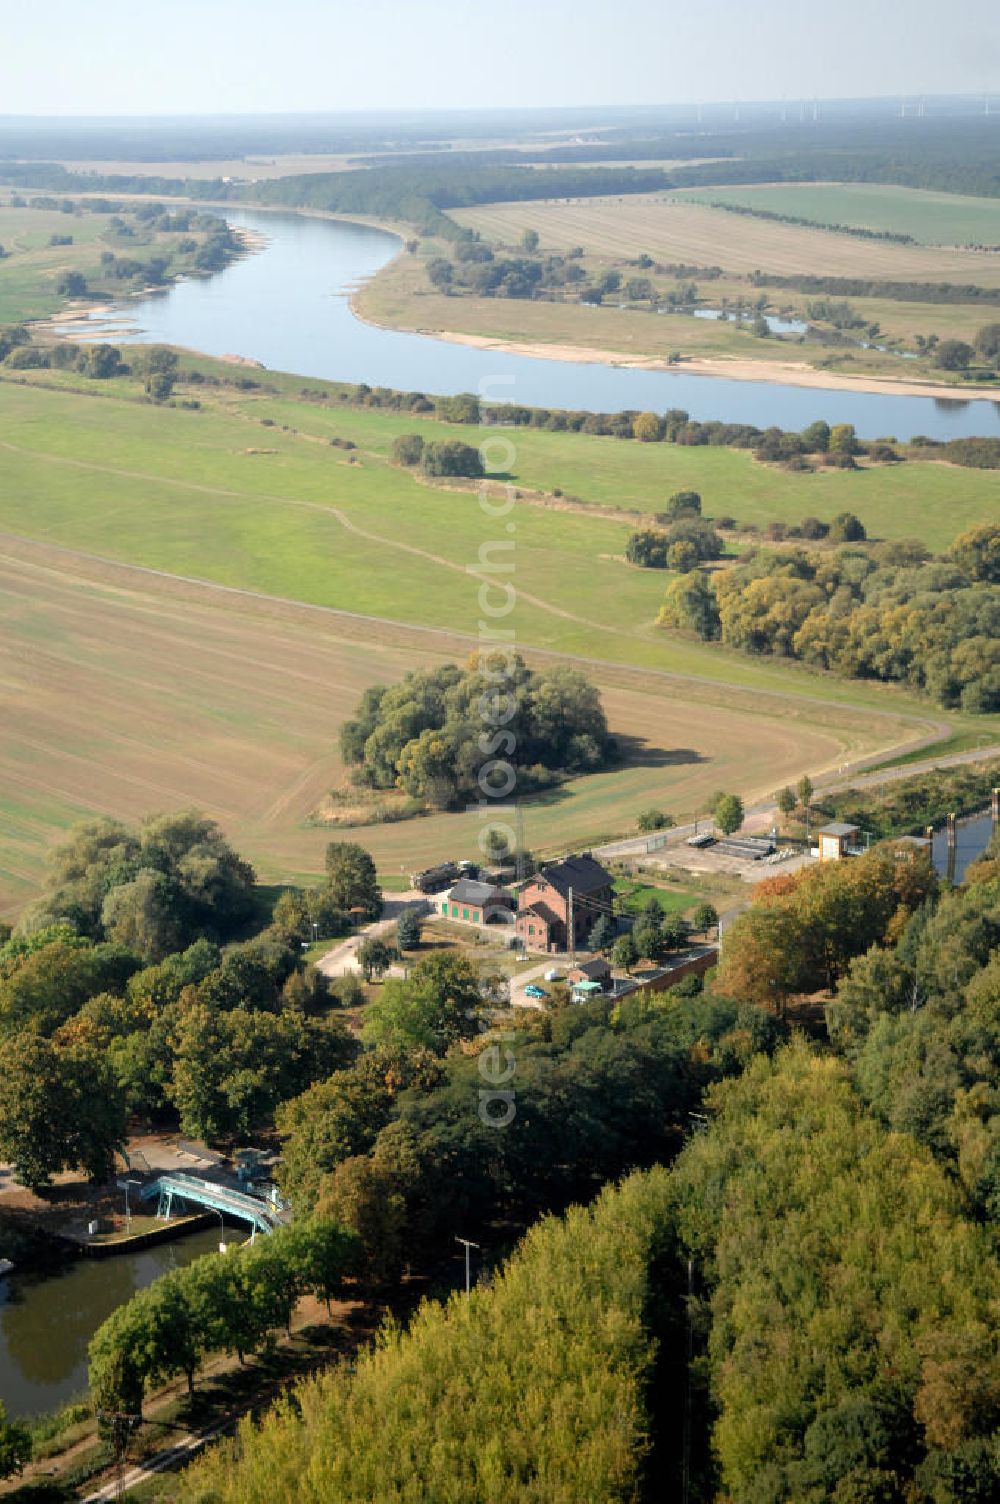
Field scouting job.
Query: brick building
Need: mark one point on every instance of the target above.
(559, 906)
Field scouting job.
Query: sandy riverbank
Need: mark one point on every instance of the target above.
(782, 372)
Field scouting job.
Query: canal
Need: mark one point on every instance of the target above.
(46, 1321)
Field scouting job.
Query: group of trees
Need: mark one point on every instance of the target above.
(437, 734)
(652, 937)
(959, 355)
(919, 1024)
(449, 457)
(132, 1002)
(156, 366)
(394, 1147)
(229, 1304)
(891, 613)
(580, 1301)
(682, 539)
(802, 929)
(847, 1298)
(174, 876)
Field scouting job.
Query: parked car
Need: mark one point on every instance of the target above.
(555, 975)
(533, 990)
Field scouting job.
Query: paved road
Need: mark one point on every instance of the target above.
(762, 814)
(342, 960)
(181, 1452)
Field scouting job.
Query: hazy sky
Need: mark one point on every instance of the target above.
(179, 56)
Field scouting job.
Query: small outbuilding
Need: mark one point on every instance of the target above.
(597, 969)
(474, 902)
(837, 840)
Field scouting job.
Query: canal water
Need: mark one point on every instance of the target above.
(288, 307)
(47, 1321)
(971, 838)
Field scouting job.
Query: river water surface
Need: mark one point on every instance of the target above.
(288, 307)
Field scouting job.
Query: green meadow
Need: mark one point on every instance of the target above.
(930, 218)
(212, 494)
(231, 703)
(925, 499)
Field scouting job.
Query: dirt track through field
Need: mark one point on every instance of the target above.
(464, 570)
(125, 689)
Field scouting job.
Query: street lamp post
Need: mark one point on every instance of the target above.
(467, 1244)
(128, 1210)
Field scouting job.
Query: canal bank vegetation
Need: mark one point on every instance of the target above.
(909, 805)
(228, 1303)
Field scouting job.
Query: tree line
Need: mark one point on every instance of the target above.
(862, 232)
(231, 1303)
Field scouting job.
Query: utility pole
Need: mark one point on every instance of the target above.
(570, 926)
(520, 856)
(467, 1243)
(121, 1424)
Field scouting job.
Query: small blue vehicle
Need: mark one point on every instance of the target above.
(533, 990)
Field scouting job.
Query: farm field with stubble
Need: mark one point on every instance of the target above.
(233, 705)
(671, 228)
(231, 698)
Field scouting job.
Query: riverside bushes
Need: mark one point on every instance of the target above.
(893, 615)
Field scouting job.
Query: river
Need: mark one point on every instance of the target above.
(288, 307)
(47, 1321)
